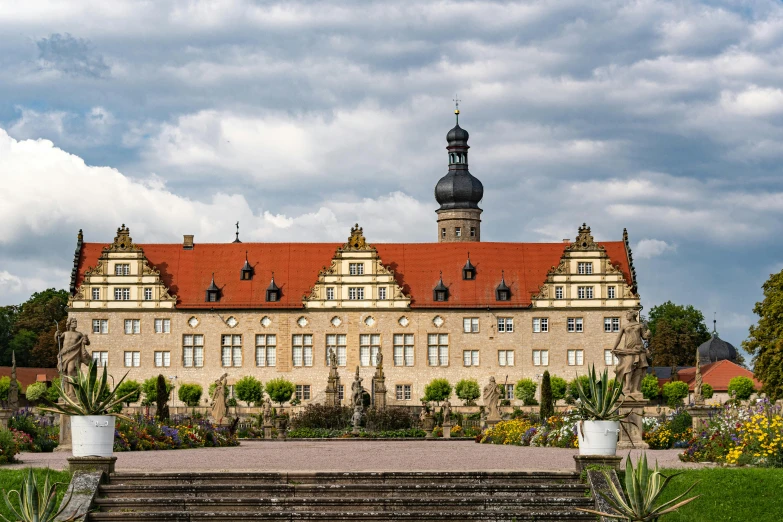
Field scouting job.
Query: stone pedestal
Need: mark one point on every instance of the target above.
(5, 414)
(65, 434)
(700, 417)
(446, 430)
(429, 426)
(379, 391)
(610, 461)
(104, 464)
(631, 428)
(268, 432)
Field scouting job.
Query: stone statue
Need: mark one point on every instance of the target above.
(633, 357)
(332, 358)
(446, 411)
(219, 399)
(356, 419)
(491, 398)
(379, 360)
(356, 389)
(73, 353)
(266, 412)
(698, 395)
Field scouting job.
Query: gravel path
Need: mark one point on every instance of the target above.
(347, 456)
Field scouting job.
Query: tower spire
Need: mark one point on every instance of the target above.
(237, 234)
(456, 101)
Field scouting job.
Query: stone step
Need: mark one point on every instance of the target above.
(447, 514)
(338, 490)
(386, 505)
(395, 477)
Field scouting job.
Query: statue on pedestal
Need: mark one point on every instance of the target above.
(73, 353)
(491, 395)
(356, 390)
(633, 357)
(266, 412)
(698, 393)
(446, 411)
(219, 408)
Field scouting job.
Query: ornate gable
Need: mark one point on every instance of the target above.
(122, 278)
(356, 278)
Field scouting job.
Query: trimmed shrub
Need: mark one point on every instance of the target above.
(559, 387)
(525, 390)
(150, 390)
(572, 394)
(129, 387)
(437, 390)
(190, 394)
(650, 389)
(249, 389)
(322, 416)
(280, 390)
(51, 392)
(547, 405)
(674, 392)
(742, 387)
(468, 391)
(35, 391)
(707, 391)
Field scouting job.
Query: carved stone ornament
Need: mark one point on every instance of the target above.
(122, 241)
(543, 293)
(329, 271)
(356, 241)
(584, 241)
(100, 269)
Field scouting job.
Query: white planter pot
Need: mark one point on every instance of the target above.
(599, 437)
(92, 435)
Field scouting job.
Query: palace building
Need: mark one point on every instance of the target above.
(456, 308)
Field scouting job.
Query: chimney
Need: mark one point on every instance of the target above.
(566, 240)
(187, 243)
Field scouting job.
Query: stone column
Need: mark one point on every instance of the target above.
(700, 417)
(379, 387)
(631, 428)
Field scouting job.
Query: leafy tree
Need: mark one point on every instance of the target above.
(35, 391)
(249, 389)
(525, 390)
(22, 345)
(7, 317)
(190, 394)
(650, 389)
(676, 331)
(559, 386)
(280, 390)
(150, 390)
(674, 392)
(741, 387)
(45, 352)
(547, 408)
(765, 340)
(707, 391)
(468, 391)
(572, 394)
(129, 387)
(437, 390)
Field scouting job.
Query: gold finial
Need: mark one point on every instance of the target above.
(456, 101)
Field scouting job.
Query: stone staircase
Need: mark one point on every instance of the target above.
(321, 496)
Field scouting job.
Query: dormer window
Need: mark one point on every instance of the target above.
(213, 292)
(272, 291)
(502, 292)
(440, 293)
(468, 271)
(246, 273)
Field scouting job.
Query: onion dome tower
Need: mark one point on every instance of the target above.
(458, 192)
(716, 349)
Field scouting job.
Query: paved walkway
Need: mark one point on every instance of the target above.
(347, 456)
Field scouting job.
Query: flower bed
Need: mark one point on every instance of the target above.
(324, 433)
(558, 431)
(34, 433)
(745, 435)
(144, 433)
(674, 431)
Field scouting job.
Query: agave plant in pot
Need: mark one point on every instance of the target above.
(599, 411)
(89, 406)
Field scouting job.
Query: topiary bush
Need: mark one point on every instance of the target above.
(547, 408)
(741, 387)
(468, 391)
(674, 392)
(437, 390)
(150, 390)
(559, 387)
(249, 389)
(650, 389)
(525, 390)
(280, 390)
(35, 391)
(51, 392)
(706, 391)
(571, 392)
(129, 387)
(322, 416)
(391, 419)
(190, 394)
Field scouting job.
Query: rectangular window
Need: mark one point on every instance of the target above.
(472, 231)
(403, 349)
(369, 345)
(576, 357)
(506, 357)
(540, 324)
(338, 343)
(193, 351)
(132, 359)
(266, 346)
(540, 357)
(382, 293)
(303, 350)
(330, 294)
(558, 292)
(611, 324)
(509, 392)
(403, 392)
(438, 349)
(470, 325)
(440, 295)
(100, 358)
(148, 294)
(443, 233)
(611, 292)
(584, 292)
(356, 268)
(162, 359)
(584, 267)
(303, 392)
(505, 324)
(457, 232)
(470, 357)
(122, 294)
(122, 269)
(231, 348)
(162, 325)
(575, 324)
(132, 326)
(610, 359)
(341, 392)
(96, 294)
(100, 326)
(356, 293)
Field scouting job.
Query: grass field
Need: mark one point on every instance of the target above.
(12, 479)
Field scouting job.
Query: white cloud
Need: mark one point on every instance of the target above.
(754, 101)
(648, 248)
(9, 282)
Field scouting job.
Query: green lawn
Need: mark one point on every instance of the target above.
(12, 479)
(728, 494)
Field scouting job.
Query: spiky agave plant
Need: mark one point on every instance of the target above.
(35, 505)
(643, 487)
(601, 400)
(92, 395)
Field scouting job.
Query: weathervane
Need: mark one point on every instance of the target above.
(237, 234)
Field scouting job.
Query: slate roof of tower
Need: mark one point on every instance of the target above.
(296, 265)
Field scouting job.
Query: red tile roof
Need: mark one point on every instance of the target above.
(717, 375)
(27, 376)
(187, 273)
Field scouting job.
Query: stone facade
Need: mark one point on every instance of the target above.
(459, 225)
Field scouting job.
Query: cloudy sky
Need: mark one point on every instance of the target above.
(299, 119)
